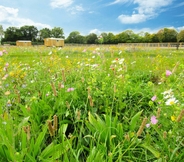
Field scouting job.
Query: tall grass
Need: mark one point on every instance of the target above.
(105, 103)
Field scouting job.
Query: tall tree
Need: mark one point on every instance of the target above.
(147, 38)
(127, 36)
(110, 38)
(155, 38)
(160, 35)
(29, 32)
(180, 36)
(11, 34)
(57, 32)
(44, 33)
(74, 37)
(91, 38)
(1, 33)
(170, 35)
(104, 35)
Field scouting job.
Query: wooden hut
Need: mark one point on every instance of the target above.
(23, 43)
(57, 42)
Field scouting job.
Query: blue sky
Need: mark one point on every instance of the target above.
(94, 16)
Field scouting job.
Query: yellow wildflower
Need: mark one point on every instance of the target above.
(173, 118)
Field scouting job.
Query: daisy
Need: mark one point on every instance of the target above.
(171, 101)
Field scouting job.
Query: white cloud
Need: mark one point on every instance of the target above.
(98, 32)
(119, 1)
(76, 9)
(95, 31)
(144, 30)
(61, 3)
(132, 19)
(180, 28)
(9, 17)
(145, 10)
(7, 13)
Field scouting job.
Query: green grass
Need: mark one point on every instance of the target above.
(89, 103)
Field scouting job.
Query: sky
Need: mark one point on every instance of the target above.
(94, 16)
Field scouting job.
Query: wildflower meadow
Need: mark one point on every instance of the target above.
(105, 103)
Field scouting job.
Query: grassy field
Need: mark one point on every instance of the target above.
(91, 104)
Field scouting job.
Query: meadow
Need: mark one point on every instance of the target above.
(91, 104)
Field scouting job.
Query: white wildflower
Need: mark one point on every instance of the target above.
(171, 101)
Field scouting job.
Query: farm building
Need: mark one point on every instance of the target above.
(57, 42)
(23, 43)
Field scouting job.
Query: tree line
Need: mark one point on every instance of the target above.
(12, 34)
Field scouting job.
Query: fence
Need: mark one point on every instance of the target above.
(166, 45)
(154, 45)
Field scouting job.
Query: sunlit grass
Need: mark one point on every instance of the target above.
(91, 103)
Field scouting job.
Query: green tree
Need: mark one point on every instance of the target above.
(160, 35)
(110, 39)
(147, 38)
(91, 38)
(44, 33)
(81, 39)
(167, 35)
(74, 37)
(128, 36)
(155, 38)
(1, 33)
(29, 32)
(170, 35)
(104, 35)
(57, 32)
(12, 34)
(180, 36)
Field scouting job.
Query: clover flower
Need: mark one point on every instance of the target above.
(168, 72)
(154, 98)
(70, 89)
(154, 120)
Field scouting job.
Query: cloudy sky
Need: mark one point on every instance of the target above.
(95, 16)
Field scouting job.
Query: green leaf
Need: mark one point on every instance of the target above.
(39, 141)
(54, 152)
(23, 122)
(134, 120)
(151, 149)
(94, 122)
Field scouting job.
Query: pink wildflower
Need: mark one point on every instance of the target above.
(1, 53)
(168, 72)
(154, 120)
(70, 89)
(7, 64)
(154, 98)
(4, 51)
